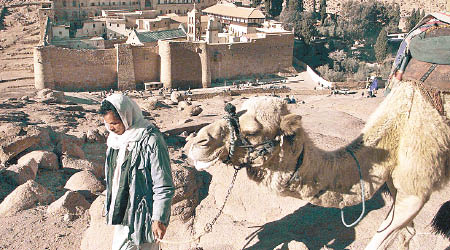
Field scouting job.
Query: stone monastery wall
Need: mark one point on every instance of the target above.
(269, 55)
(177, 64)
(146, 64)
(74, 70)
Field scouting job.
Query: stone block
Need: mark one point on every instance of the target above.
(73, 164)
(71, 202)
(20, 174)
(44, 159)
(15, 140)
(24, 197)
(85, 183)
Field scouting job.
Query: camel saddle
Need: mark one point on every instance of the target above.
(433, 80)
(434, 76)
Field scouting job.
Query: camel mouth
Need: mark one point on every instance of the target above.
(202, 164)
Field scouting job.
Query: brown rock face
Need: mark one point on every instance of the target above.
(71, 149)
(70, 203)
(71, 163)
(85, 183)
(24, 197)
(192, 110)
(15, 140)
(44, 159)
(20, 174)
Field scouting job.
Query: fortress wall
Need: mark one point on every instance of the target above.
(180, 64)
(261, 56)
(125, 67)
(75, 70)
(146, 64)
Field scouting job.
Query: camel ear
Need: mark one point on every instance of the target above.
(290, 124)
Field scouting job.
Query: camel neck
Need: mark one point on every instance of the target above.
(331, 178)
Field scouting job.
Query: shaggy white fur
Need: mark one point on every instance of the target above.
(405, 144)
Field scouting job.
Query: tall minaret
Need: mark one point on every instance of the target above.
(194, 25)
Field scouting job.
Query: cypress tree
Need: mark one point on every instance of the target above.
(381, 46)
(2, 18)
(323, 10)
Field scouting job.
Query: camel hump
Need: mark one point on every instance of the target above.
(441, 221)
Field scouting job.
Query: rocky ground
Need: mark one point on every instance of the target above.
(55, 200)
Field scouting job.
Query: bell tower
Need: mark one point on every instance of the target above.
(194, 25)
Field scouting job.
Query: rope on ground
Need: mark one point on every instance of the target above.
(208, 226)
(362, 194)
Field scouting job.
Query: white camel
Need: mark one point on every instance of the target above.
(405, 144)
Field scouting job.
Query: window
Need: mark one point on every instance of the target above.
(74, 4)
(123, 3)
(82, 4)
(92, 4)
(64, 4)
(170, 11)
(103, 25)
(114, 3)
(110, 24)
(93, 25)
(118, 25)
(60, 33)
(103, 3)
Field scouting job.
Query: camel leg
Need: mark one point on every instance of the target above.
(406, 235)
(405, 209)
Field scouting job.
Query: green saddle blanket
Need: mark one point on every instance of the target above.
(432, 46)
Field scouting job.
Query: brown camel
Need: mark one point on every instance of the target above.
(405, 144)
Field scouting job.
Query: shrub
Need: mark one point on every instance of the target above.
(350, 65)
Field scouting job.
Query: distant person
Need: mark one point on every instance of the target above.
(139, 185)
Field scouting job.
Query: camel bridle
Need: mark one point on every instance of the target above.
(237, 140)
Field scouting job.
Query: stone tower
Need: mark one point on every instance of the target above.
(212, 31)
(194, 25)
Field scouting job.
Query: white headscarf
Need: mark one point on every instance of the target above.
(132, 119)
(135, 125)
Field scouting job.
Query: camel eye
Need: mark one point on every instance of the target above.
(250, 133)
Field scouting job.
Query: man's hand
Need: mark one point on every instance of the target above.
(158, 229)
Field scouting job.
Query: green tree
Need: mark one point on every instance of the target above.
(323, 10)
(2, 17)
(362, 21)
(411, 20)
(381, 46)
(273, 7)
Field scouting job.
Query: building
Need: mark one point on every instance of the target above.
(75, 10)
(235, 19)
(179, 58)
(149, 38)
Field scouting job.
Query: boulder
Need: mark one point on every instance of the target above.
(176, 97)
(183, 104)
(71, 202)
(94, 135)
(85, 183)
(73, 164)
(152, 103)
(98, 235)
(24, 197)
(44, 159)
(21, 173)
(16, 139)
(50, 96)
(70, 147)
(192, 110)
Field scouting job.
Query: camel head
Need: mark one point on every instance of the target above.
(261, 119)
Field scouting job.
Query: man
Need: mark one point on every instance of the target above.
(139, 181)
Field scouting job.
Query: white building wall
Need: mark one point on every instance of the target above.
(60, 31)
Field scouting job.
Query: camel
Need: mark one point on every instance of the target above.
(405, 144)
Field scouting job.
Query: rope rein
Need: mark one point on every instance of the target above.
(208, 227)
(362, 194)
